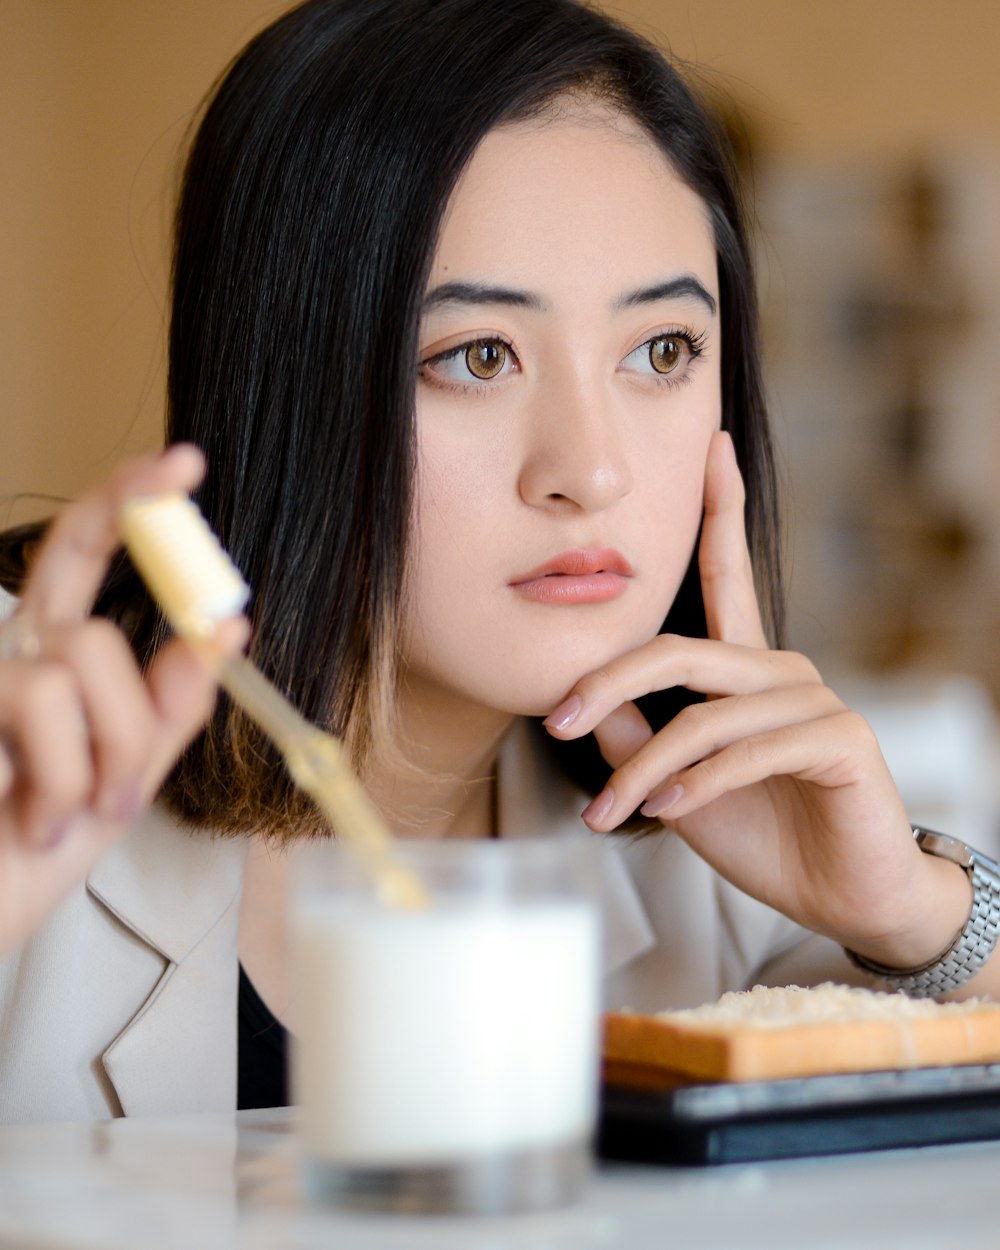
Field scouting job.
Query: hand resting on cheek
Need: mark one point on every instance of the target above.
(772, 780)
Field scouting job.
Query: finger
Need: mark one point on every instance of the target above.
(84, 735)
(182, 686)
(6, 767)
(47, 744)
(621, 734)
(70, 566)
(669, 660)
(121, 720)
(649, 778)
(731, 607)
(822, 752)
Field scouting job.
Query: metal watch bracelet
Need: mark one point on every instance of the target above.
(972, 947)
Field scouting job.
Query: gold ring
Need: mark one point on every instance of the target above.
(19, 639)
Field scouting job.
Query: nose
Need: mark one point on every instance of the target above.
(575, 457)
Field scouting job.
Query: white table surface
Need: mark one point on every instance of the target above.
(222, 1181)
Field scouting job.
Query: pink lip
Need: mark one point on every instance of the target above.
(576, 577)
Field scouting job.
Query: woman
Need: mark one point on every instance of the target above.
(464, 322)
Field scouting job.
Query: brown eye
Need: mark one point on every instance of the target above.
(665, 353)
(486, 359)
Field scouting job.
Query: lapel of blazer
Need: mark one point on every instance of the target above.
(534, 799)
(177, 890)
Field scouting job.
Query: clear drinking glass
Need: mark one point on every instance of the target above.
(446, 1057)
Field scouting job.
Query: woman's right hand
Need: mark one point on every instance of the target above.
(85, 738)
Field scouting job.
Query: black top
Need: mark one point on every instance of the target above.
(262, 1073)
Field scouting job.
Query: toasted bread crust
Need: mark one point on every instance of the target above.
(728, 1053)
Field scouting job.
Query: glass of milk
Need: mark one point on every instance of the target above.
(447, 1057)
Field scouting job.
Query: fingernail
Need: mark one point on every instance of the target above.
(57, 835)
(659, 804)
(128, 802)
(598, 808)
(565, 714)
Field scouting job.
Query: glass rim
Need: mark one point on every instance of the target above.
(562, 862)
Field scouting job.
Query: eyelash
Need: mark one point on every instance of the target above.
(695, 340)
(471, 386)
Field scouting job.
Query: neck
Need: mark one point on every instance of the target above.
(447, 791)
(451, 748)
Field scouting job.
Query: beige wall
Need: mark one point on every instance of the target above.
(95, 97)
(835, 77)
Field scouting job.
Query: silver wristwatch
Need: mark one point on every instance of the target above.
(972, 947)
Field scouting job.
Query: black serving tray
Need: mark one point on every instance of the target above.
(739, 1122)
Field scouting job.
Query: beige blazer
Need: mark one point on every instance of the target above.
(125, 1003)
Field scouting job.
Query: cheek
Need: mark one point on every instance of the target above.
(668, 468)
(456, 519)
(463, 453)
(457, 503)
(668, 501)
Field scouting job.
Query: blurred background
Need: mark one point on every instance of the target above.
(870, 130)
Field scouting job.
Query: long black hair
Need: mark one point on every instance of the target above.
(310, 209)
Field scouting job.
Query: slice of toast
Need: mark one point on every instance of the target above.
(769, 1033)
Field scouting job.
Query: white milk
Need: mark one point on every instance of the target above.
(470, 1028)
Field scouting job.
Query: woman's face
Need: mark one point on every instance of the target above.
(568, 388)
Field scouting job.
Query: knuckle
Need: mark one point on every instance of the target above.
(855, 726)
(46, 694)
(92, 642)
(804, 670)
(124, 741)
(59, 788)
(673, 656)
(668, 643)
(103, 632)
(634, 774)
(698, 722)
(810, 672)
(758, 754)
(829, 701)
(596, 686)
(124, 749)
(68, 789)
(707, 775)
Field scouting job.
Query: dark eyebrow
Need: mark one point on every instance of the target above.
(479, 293)
(687, 284)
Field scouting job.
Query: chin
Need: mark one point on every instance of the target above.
(536, 688)
(522, 672)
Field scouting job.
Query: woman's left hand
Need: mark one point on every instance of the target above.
(771, 780)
